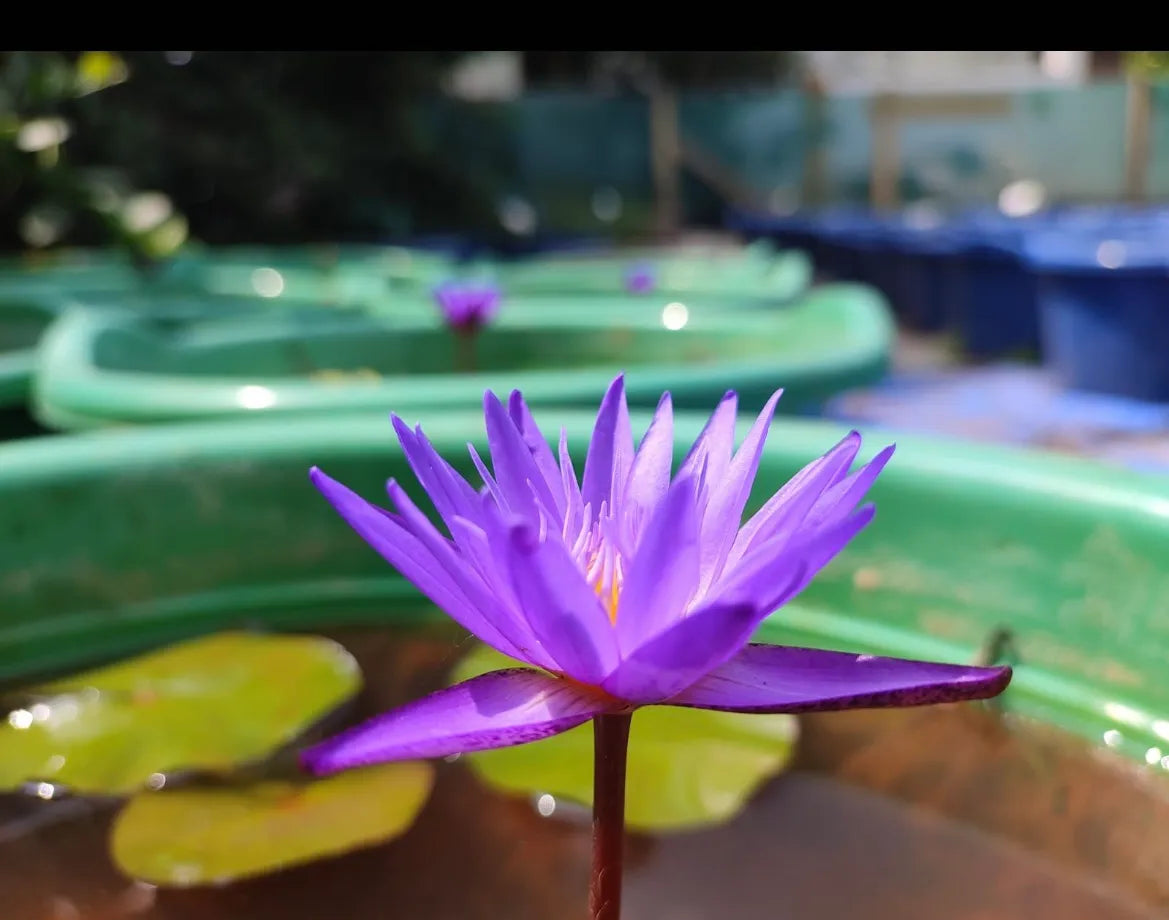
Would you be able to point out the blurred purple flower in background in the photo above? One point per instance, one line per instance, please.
(633, 587)
(468, 306)
(641, 279)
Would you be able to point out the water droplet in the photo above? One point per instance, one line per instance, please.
(1153, 756)
(184, 874)
(1112, 737)
(675, 316)
(267, 282)
(41, 712)
(1111, 253)
(155, 781)
(45, 791)
(546, 805)
(20, 718)
(254, 396)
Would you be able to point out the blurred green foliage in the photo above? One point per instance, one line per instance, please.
(46, 197)
(273, 146)
(295, 146)
(1149, 64)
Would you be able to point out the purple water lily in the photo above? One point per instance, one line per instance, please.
(640, 279)
(634, 587)
(467, 306)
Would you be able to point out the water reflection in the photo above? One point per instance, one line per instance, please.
(546, 805)
(267, 282)
(254, 396)
(1111, 254)
(1007, 822)
(675, 316)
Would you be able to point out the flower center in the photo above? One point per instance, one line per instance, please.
(609, 596)
(602, 564)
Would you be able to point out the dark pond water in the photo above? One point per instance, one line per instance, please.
(948, 812)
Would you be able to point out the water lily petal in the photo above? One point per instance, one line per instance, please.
(402, 549)
(610, 449)
(728, 496)
(764, 576)
(684, 652)
(539, 448)
(574, 503)
(783, 513)
(713, 446)
(563, 611)
(515, 468)
(447, 489)
(480, 582)
(840, 499)
(663, 574)
(777, 678)
(497, 709)
(649, 476)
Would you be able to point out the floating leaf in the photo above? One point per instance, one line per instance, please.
(201, 836)
(209, 704)
(687, 767)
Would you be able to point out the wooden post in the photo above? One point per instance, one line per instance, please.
(887, 112)
(665, 157)
(885, 166)
(814, 191)
(1138, 115)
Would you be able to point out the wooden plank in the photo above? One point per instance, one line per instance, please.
(1137, 122)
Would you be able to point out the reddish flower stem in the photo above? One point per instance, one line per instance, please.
(465, 342)
(610, 747)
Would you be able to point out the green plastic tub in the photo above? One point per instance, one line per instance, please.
(745, 278)
(33, 293)
(327, 273)
(21, 326)
(119, 540)
(27, 311)
(107, 367)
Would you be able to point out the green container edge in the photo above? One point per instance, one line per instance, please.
(70, 391)
(123, 540)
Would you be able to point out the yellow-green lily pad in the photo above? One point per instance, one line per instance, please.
(687, 767)
(209, 704)
(203, 836)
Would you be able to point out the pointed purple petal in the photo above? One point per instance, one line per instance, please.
(538, 446)
(489, 482)
(830, 541)
(683, 653)
(663, 574)
(515, 468)
(475, 576)
(843, 497)
(783, 513)
(574, 504)
(649, 477)
(494, 710)
(724, 511)
(610, 449)
(449, 491)
(715, 442)
(776, 678)
(563, 611)
(764, 576)
(407, 553)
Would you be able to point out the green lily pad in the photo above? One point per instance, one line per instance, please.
(203, 836)
(687, 767)
(209, 704)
